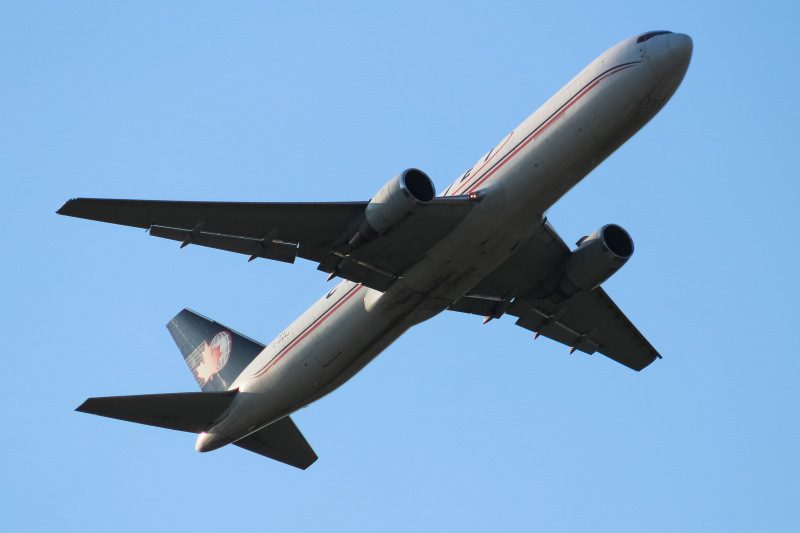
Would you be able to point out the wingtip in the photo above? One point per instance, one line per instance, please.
(83, 408)
(66, 207)
(306, 465)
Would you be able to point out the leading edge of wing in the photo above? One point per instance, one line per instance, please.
(294, 221)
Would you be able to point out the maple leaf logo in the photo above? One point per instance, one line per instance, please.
(213, 357)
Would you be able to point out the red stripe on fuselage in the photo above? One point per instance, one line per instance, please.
(314, 325)
(486, 162)
(546, 124)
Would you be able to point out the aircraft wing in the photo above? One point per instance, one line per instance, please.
(284, 231)
(589, 321)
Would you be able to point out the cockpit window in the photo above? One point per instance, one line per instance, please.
(650, 35)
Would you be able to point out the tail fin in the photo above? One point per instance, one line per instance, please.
(215, 354)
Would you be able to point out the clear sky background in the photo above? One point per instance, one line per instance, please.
(457, 426)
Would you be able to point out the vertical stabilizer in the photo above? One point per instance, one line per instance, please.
(215, 354)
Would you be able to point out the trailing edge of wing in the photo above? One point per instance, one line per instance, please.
(185, 411)
(589, 322)
(281, 441)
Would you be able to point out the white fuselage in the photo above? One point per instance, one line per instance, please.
(518, 180)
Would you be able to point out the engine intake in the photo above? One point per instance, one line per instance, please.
(595, 259)
(405, 193)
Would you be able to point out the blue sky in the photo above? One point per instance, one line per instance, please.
(457, 426)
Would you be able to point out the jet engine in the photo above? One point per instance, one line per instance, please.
(595, 259)
(405, 193)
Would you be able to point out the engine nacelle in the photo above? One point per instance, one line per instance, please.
(595, 259)
(404, 194)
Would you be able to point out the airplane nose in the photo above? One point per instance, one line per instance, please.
(680, 46)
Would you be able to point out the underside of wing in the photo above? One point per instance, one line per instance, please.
(589, 322)
(380, 261)
(526, 286)
(529, 269)
(319, 232)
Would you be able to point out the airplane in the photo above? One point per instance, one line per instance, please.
(483, 247)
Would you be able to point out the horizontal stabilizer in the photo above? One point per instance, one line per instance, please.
(185, 411)
(281, 441)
